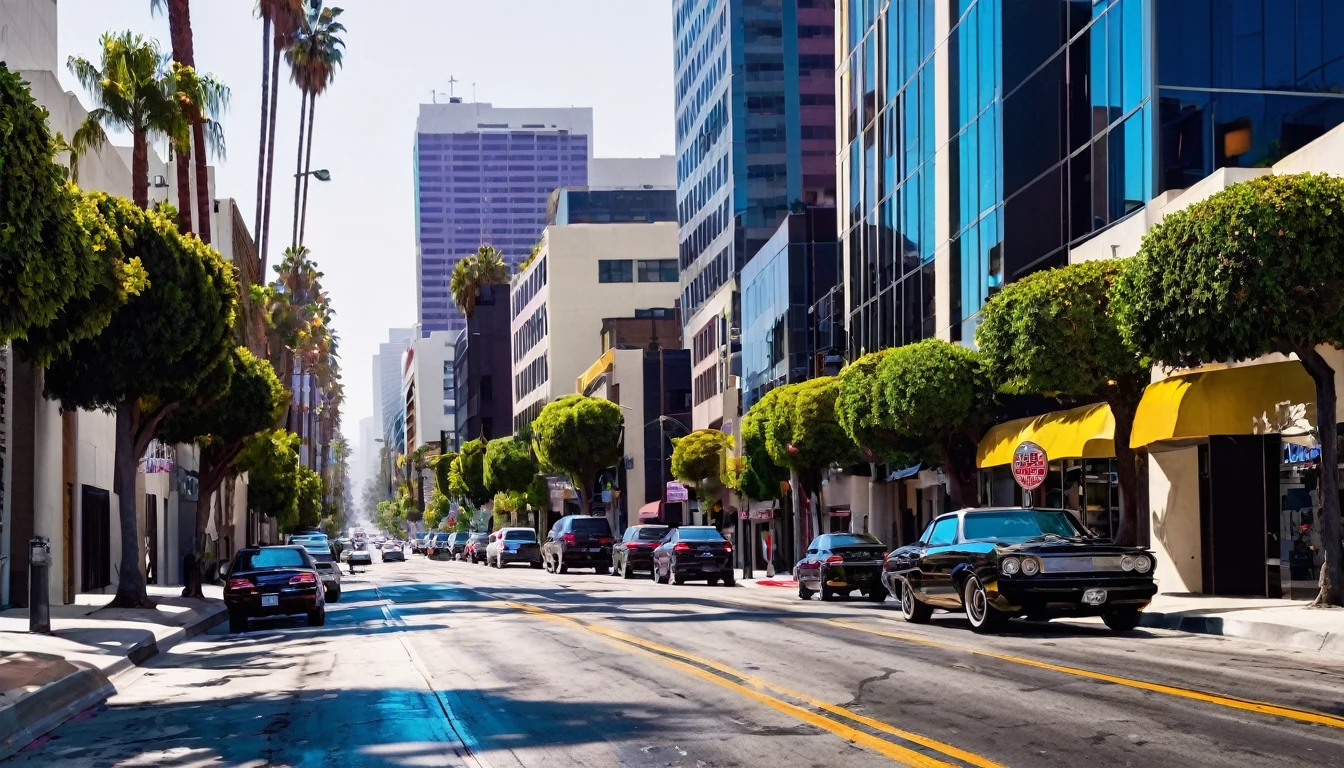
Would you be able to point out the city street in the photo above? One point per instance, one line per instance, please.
(440, 663)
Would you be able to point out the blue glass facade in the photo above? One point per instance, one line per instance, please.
(755, 128)
(611, 206)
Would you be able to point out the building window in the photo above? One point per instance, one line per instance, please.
(487, 389)
(658, 271)
(615, 271)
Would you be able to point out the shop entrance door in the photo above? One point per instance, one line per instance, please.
(95, 556)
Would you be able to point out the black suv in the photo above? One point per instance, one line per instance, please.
(578, 541)
(456, 544)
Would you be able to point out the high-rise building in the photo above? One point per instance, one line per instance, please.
(483, 175)
(390, 404)
(982, 141)
(755, 133)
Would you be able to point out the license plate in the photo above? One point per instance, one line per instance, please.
(270, 601)
(709, 567)
(1094, 596)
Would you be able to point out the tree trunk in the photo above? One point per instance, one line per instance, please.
(796, 497)
(182, 161)
(204, 204)
(131, 591)
(307, 166)
(216, 463)
(1332, 538)
(261, 143)
(270, 154)
(961, 480)
(140, 169)
(1127, 461)
(298, 166)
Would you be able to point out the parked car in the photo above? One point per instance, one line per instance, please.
(392, 550)
(273, 581)
(436, 546)
(457, 544)
(635, 551)
(320, 548)
(693, 552)
(995, 564)
(474, 551)
(578, 541)
(418, 541)
(840, 563)
(513, 545)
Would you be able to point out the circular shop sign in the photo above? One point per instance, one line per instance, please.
(1030, 465)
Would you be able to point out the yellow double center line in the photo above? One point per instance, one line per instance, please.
(1249, 705)
(756, 689)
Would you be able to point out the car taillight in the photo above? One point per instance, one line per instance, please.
(241, 584)
(605, 540)
(632, 545)
(835, 559)
(682, 546)
(304, 578)
(569, 538)
(727, 547)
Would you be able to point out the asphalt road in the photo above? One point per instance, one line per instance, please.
(434, 663)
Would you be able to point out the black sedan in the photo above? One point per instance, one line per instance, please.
(635, 550)
(996, 564)
(693, 552)
(273, 581)
(839, 563)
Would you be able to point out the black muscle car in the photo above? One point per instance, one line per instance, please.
(996, 564)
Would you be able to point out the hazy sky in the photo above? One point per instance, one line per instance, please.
(612, 55)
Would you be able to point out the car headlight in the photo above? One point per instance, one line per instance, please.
(1031, 566)
(1143, 563)
(1010, 566)
(1127, 563)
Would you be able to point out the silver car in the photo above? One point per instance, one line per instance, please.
(328, 570)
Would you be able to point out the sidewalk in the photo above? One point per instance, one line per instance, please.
(1279, 622)
(48, 679)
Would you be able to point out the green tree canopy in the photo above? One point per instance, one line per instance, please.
(438, 512)
(935, 395)
(754, 474)
(159, 349)
(443, 465)
(1256, 268)
(700, 455)
(1053, 333)
(579, 436)
(271, 461)
(467, 474)
(472, 273)
(62, 268)
(309, 499)
(509, 465)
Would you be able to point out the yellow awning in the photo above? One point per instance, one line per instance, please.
(1079, 433)
(599, 367)
(1227, 401)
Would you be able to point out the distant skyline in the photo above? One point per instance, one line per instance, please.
(612, 55)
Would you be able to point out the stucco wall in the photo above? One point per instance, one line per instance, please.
(1173, 490)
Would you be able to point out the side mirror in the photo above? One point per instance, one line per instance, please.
(223, 569)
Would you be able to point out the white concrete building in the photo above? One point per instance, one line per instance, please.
(582, 274)
(428, 394)
(388, 373)
(633, 172)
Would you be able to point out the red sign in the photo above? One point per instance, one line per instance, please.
(1030, 465)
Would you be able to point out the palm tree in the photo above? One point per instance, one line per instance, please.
(184, 53)
(472, 273)
(136, 91)
(314, 55)
(280, 19)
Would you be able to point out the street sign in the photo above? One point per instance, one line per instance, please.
(1030, 465)
(676, 492)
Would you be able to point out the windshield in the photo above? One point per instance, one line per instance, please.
(597, 525)
(652, 533)
(479, 537)
(1018, 525)
(699, 534)
(278, 557)
(520, 535)
(852, 540)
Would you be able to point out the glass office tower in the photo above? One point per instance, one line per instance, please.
(1043, 114)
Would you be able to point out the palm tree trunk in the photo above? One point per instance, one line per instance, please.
(204, 203)
(298, 166)
(261, 143)
(183, 162)
(307, 166)
(140, 169)
(270, 155)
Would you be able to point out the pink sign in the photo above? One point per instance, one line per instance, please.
(1030, 465)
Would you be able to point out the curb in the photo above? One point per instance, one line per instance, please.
(1276, 634)
(38, 713)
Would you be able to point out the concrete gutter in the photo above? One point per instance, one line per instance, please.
(64, 688)
(1260, 631)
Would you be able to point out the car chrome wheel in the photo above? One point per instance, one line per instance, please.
(975, 600)
(912, 610)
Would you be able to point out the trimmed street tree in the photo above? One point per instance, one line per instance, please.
(157, 352)
(698, 458)
(271, 461)
(309, 499)
(860, 411)
(443, 465)
(508, 465)
(579, 436)
(61, 266)
(1053, 333)
(1255, 269)
(466, 476)
(754, 474)
(253, 402)
(935, 394)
